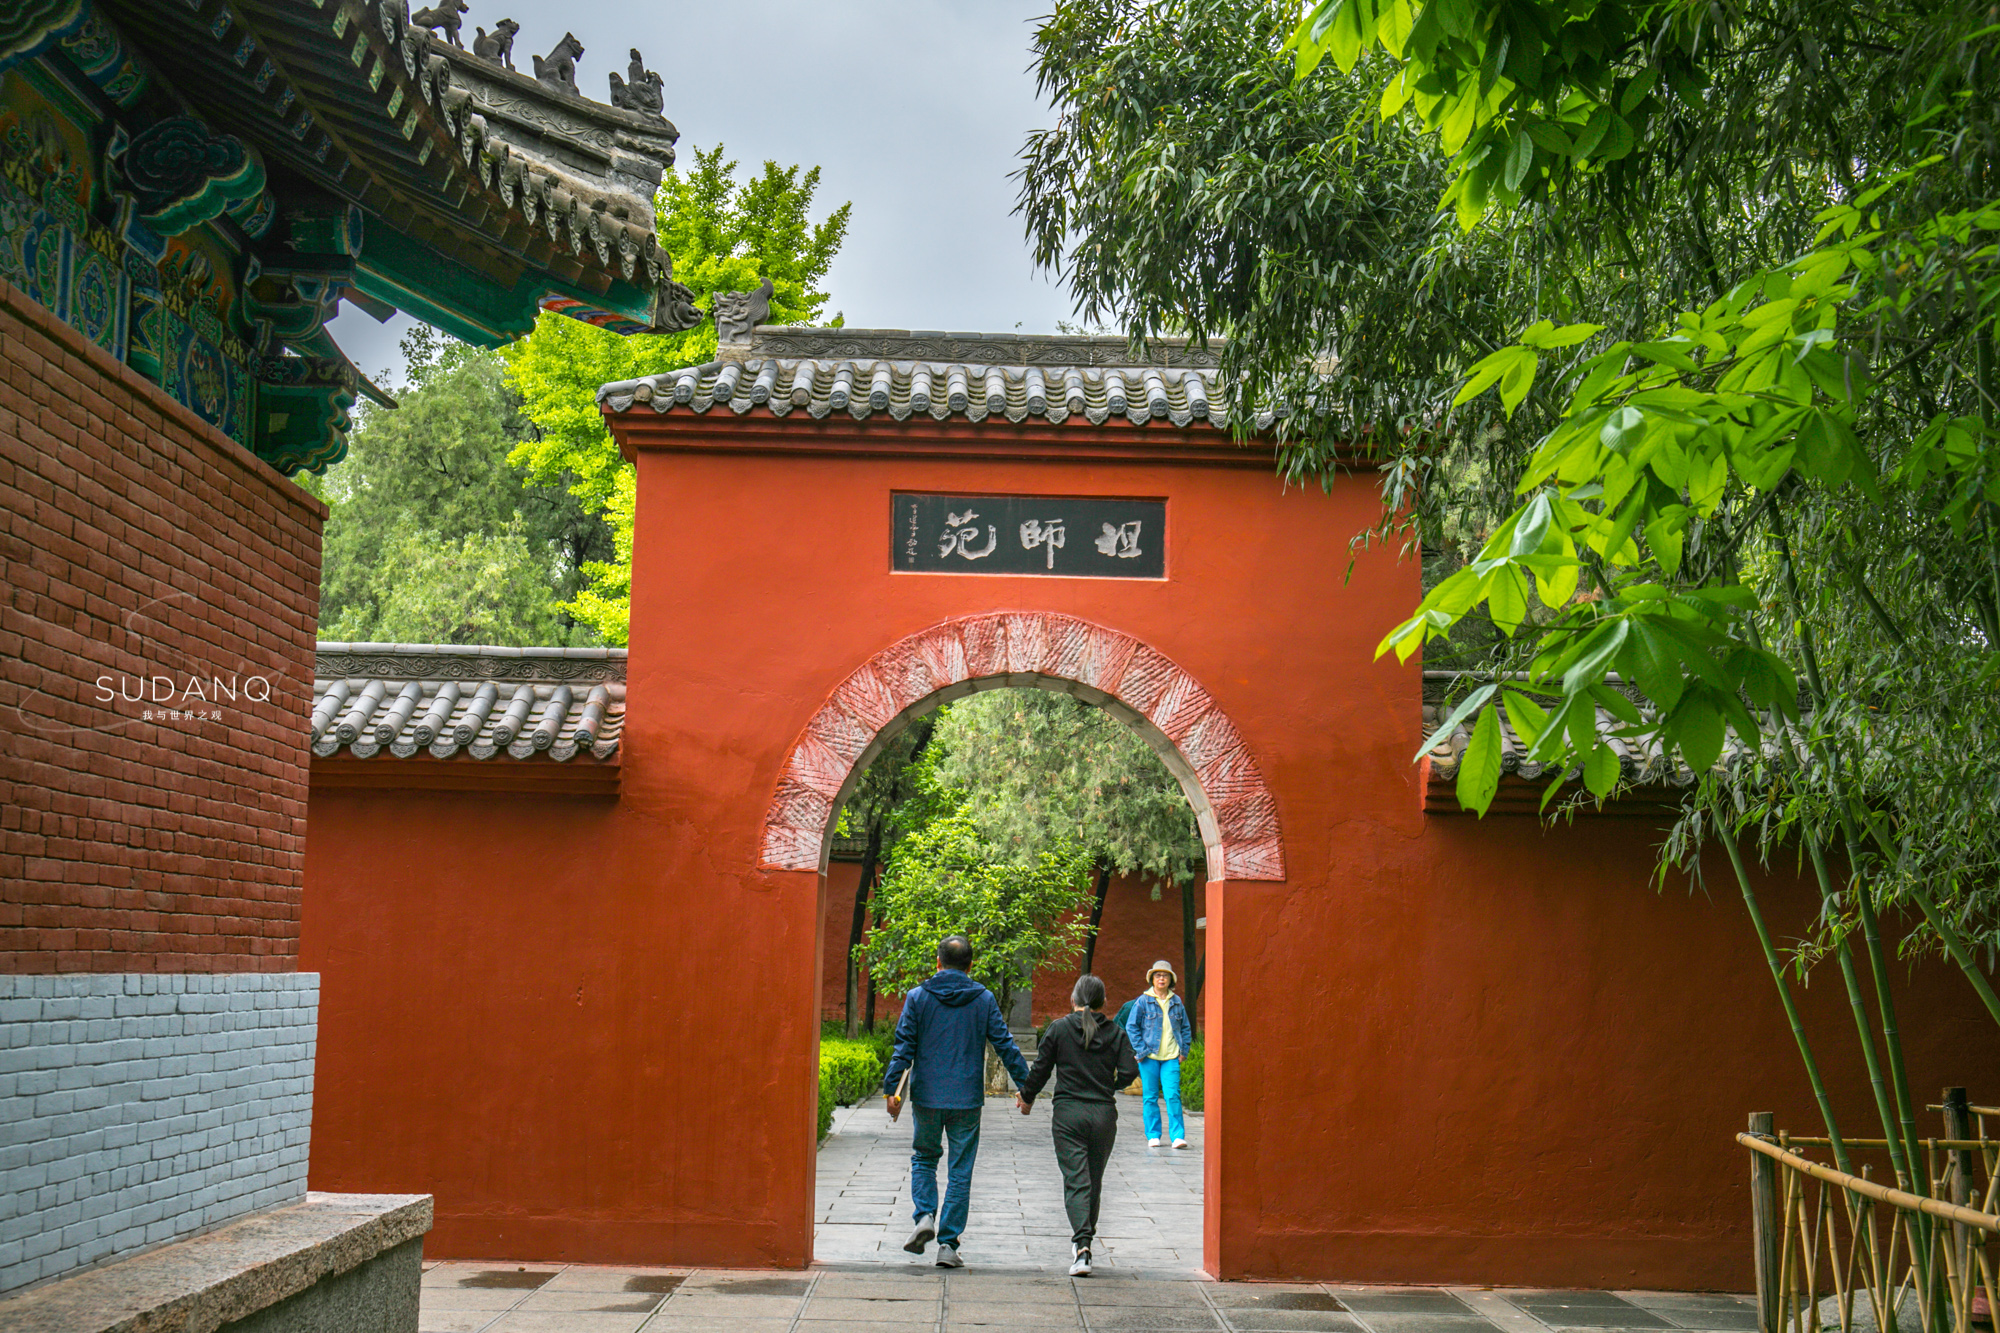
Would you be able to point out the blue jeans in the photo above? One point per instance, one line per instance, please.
(1157, 1079)
(935, 1127)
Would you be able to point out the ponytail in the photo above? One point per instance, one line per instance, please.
(1088, 995)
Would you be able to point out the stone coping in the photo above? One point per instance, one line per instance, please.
(197, 1285)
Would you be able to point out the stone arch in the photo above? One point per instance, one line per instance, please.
(1150, 692)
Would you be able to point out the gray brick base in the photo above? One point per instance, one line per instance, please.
(142, 1108)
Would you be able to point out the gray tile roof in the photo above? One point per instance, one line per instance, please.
(440, 699)
(865, 372)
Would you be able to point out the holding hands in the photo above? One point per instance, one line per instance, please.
(1024, 1105)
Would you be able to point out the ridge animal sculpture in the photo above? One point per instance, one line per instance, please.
(499, 48)
(448, 15)
(558, 70)
(736, 313)
(644, 94)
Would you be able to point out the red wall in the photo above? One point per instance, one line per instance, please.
(1441, 1050)
(138, 542)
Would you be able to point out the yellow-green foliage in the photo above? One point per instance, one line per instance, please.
(724, 236)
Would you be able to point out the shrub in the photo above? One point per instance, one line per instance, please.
(825, 1103)
(882, 1040)
(1191, 1078)
(849, 1069)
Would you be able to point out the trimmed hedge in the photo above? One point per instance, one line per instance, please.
(848, 1072)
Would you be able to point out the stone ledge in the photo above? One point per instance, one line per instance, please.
(198, 1285)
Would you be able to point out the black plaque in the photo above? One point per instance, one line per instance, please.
(1063, 535)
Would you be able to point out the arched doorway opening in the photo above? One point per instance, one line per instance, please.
(1142, 689)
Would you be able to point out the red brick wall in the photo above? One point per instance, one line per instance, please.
(137, 542)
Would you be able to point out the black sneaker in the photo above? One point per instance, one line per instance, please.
(948, 1257)
(926, 1230)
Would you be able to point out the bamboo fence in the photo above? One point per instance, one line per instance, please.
(1870, 1251)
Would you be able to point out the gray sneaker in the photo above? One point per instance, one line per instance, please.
(926, 1230)
(948, 1257)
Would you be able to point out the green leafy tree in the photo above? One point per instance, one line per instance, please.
(1746, 486)
(1027, 780)
(725, 235)
(431, 537)
(1712, 407)
(1042, 770)
(942, 880)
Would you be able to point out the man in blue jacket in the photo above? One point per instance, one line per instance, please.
(946, 1025)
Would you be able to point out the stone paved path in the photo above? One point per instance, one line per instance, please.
(1150, 1224)
(1016, 1249)
(553, 1298)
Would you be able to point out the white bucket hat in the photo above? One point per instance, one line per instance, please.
(1162, 966)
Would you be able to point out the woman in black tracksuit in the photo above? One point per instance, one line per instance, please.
(1096, 1059)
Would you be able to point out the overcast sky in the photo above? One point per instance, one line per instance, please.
(913, 109)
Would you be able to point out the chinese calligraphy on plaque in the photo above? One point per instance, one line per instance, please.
(1029, 534)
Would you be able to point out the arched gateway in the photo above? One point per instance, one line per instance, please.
(1233, 808)
(584, 996)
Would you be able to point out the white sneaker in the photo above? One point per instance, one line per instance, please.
(1180, 1143)
(1080, 1267)
(1152, 1143)
(947, 1257)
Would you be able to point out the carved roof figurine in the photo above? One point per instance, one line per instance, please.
(559, 69)
(736, 313)
(645, 94)
(449, 15)
(499, 48)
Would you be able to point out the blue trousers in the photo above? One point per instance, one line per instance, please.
(1160, 1079)
(960, 1128)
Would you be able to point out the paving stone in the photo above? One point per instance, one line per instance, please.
(1380, 1321)
(890, 1285)
(1689, 1300)
(667, 1322)
(1566, 1295)
(604, 1302)
(731, 1307)
(521, 1321)
(1584, 1309)
(1152, 1199)
(459, 1298)
(881, 1311)
(1400, 1300)
(1270, 1296)
(454, 1321)
(1720, 1321)
(1123, 1292)
(652, 1281)
(999, 1290)
(1015, 1314)
(1254, 1320)
(744, 1284)
(1152, 1319)
(504, 1279)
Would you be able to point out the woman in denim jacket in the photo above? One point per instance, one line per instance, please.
(1160, 1034)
